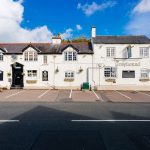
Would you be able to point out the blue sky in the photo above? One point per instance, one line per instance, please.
(32, 20)
(60, 15)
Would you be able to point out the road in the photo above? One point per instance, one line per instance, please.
(74, 126)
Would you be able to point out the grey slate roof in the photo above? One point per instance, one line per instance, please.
(47, 48)
(121, 40)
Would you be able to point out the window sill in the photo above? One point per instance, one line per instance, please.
(128, 58)
(31, 78)
(30, 60)
(45, 64)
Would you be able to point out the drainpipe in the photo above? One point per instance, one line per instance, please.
(54, 72)
(93, 72)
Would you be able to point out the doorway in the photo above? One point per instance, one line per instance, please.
(17, 75)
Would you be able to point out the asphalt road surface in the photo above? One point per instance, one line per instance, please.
(74, 126)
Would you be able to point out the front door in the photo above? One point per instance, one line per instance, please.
(17, 75)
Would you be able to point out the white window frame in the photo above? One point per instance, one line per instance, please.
(70, 56)
(69, 74)
(30, 56)
(1, 56)
(144, 52)
(110, 72)
(144, 73)
(45, 59)
(32, 74)
(110, 52)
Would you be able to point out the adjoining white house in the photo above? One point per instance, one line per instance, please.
(107, 62)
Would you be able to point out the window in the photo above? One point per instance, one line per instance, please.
(69, 74)
(127, 53)
(70, 56)
(26, 56)
(32, 73)
(144, 52)
(45, 76)
(35, 56)
(1, 56)
(110, 52)
(128, 74)
(1, 75)
(45, 59)
(144, 73)
(110, 72)
(30, 56)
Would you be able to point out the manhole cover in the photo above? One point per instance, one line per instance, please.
(71, 140)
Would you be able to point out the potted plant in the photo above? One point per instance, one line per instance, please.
(144, 79)
(23, 74)
(111, 80)
(8, 74)
(80, 70)
(69, 79)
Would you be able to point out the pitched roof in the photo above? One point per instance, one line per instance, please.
(121, 40)
(48, 48)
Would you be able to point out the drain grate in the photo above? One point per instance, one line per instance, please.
(69, 140)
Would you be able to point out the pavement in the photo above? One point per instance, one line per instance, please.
(57, 96)
(74, 126)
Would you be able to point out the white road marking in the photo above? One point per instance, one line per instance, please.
(14, 94)
(123, 95)
(40, 96)
(97, 96)
(9, 121)
(111, 120)
(143, 93)
(70, 96)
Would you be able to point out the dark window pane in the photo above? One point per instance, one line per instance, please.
(45, 75)
(1, 75)
(128, 74)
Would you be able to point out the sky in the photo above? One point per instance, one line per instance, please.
(39, 20)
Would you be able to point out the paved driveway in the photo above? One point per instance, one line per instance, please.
(73, 96)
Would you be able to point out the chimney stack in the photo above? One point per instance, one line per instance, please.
(56, 40)
(93, 32)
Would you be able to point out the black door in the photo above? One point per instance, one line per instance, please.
(17, 75)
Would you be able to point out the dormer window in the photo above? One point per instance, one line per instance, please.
(1, 56)
(30, 56)
(129, 52)
(70, 56)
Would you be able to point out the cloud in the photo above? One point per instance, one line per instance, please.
(140, 19)
(11, 17)
(67, 34)
(90, 9)
(78, 27)
(142, 7)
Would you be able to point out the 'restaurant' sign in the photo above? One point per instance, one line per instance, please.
(124, 64)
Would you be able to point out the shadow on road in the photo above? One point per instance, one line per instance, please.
(44, 128)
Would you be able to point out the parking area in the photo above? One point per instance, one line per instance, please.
(73, 96)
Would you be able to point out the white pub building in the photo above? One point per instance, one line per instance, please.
(106, 63)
